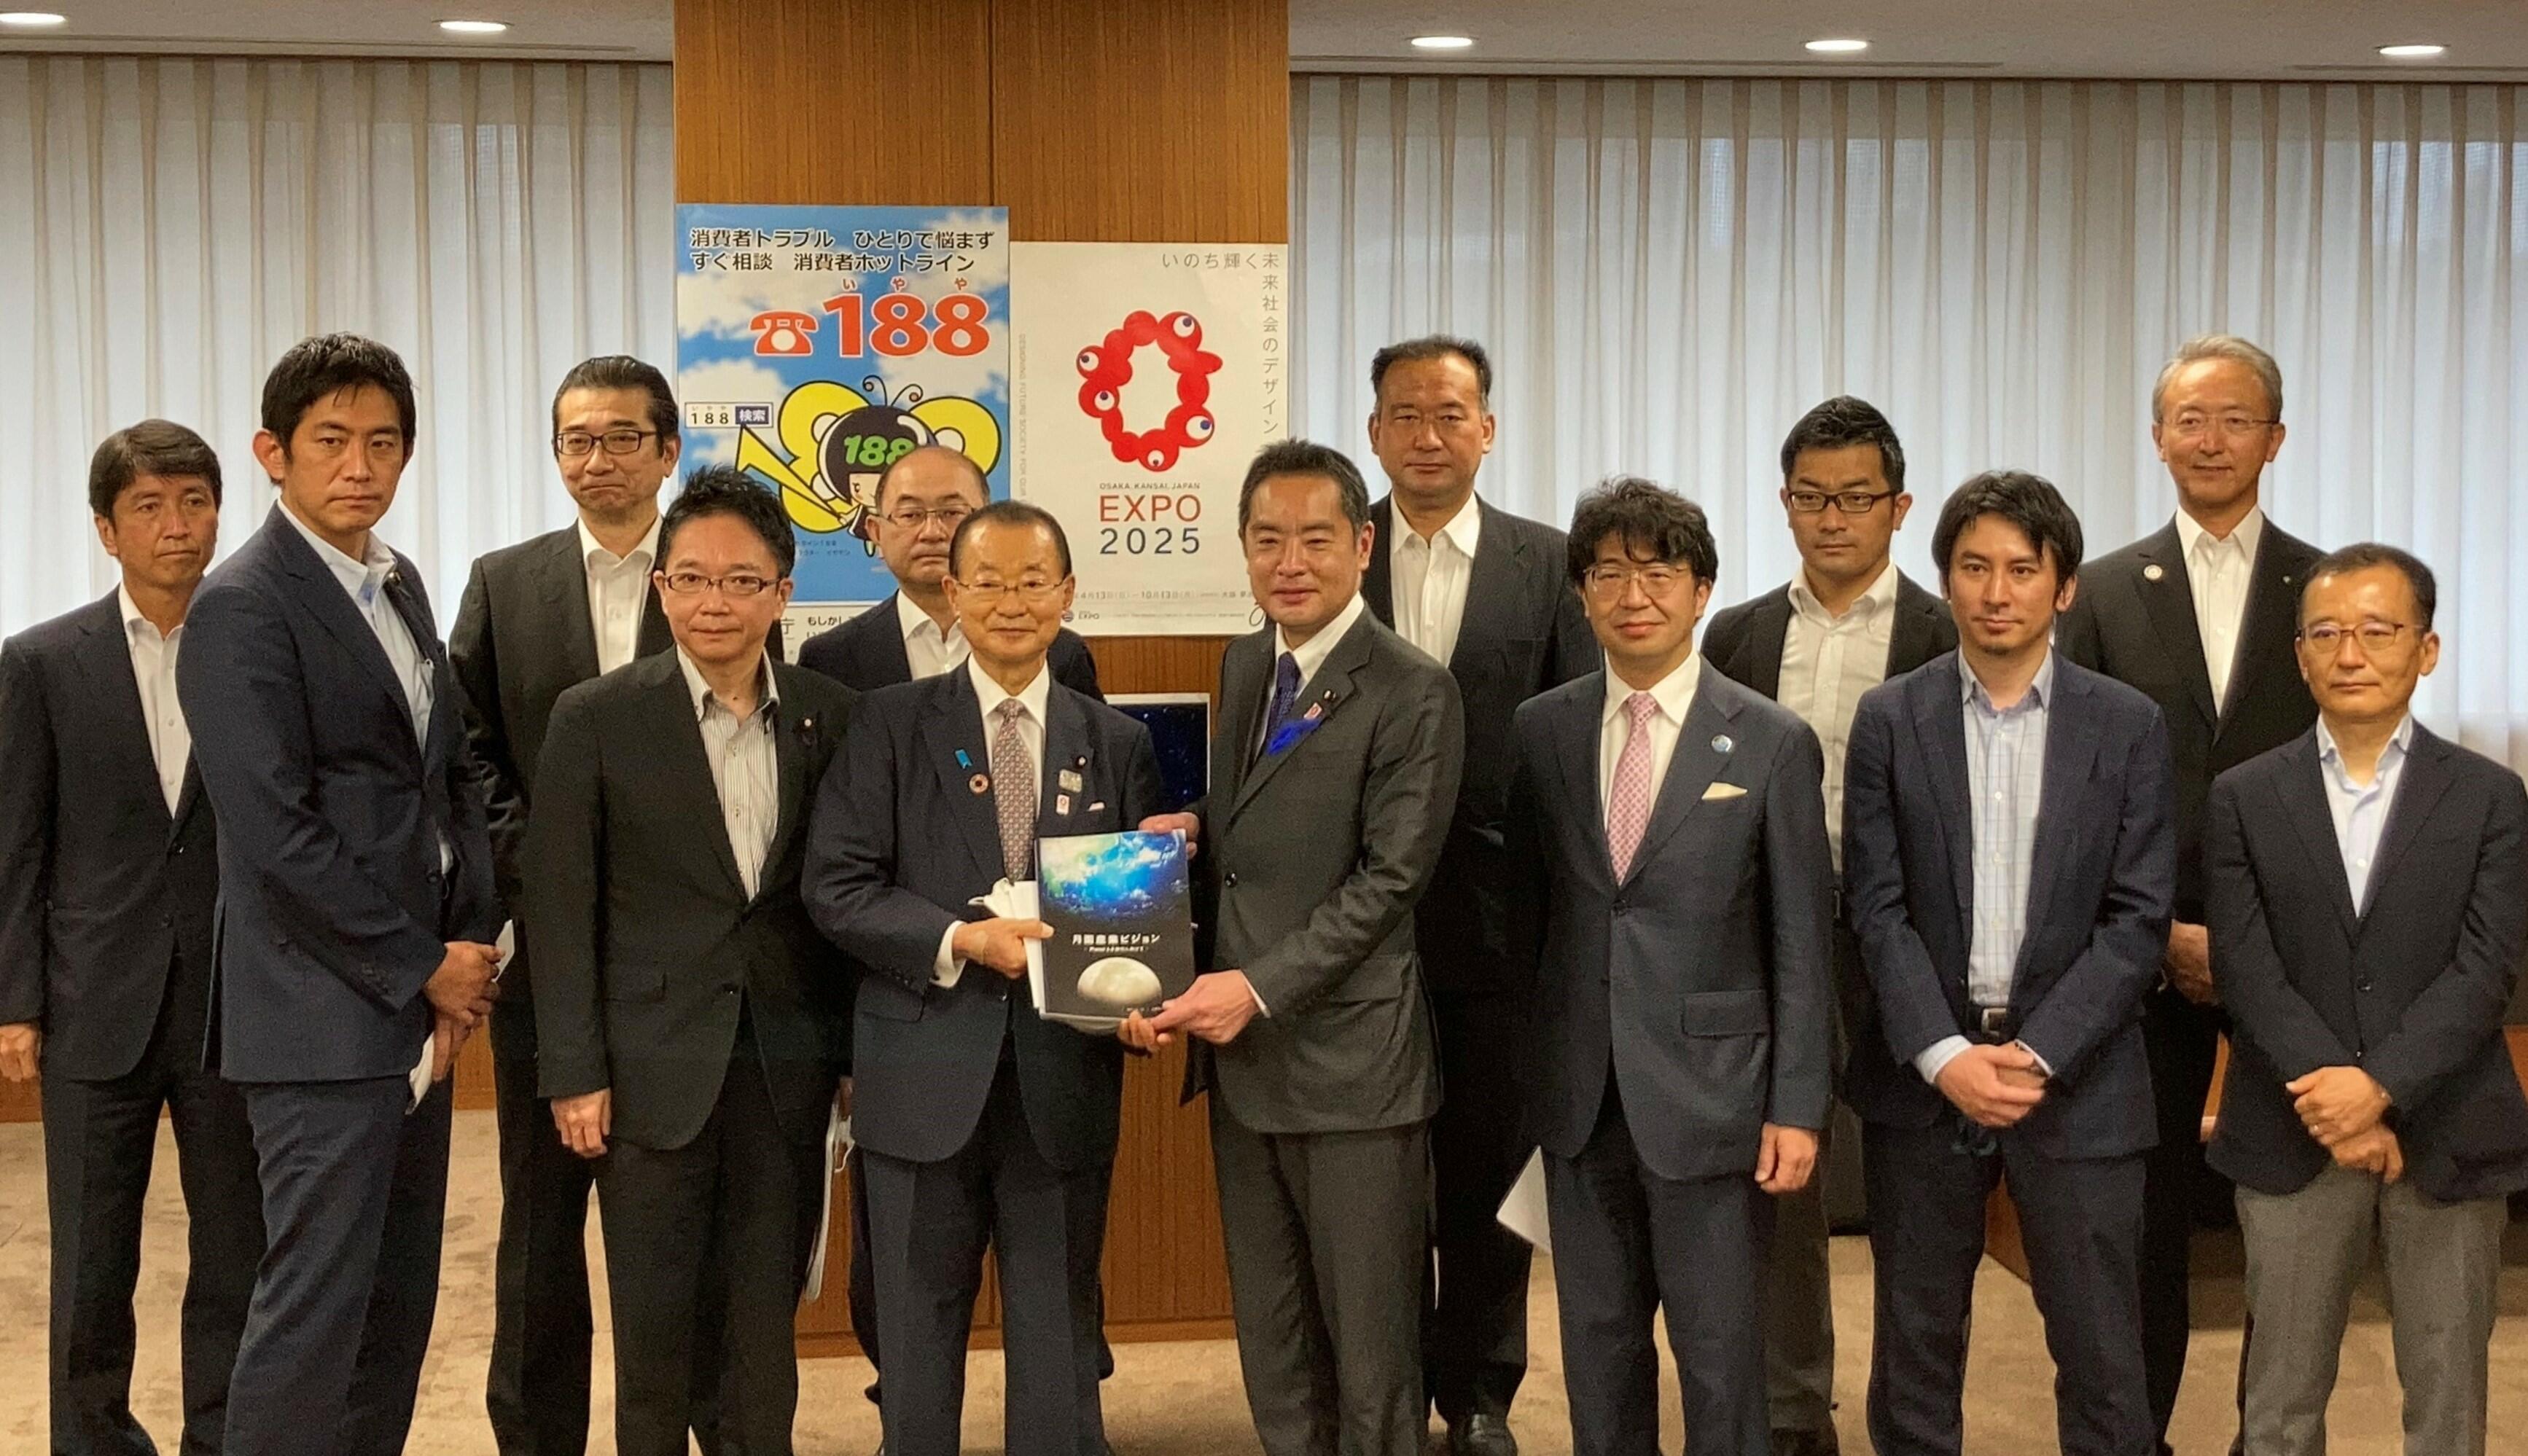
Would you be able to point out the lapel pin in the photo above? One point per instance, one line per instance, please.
(1062, 803)
(1315, 712)
(980, 783)
(1721, 743)
(2152, 572)
(1070, 780)
(964, 761)
(1079, 761)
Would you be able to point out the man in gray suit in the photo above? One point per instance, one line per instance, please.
(1674, 915)
(1331, 780)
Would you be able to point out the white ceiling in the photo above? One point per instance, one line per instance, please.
(2283, 39)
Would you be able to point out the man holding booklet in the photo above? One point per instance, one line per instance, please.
(979, 1121)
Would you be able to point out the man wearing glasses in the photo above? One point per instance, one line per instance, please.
(1847, 620)
(693, 1025)
(2198, 615)
(537, 618)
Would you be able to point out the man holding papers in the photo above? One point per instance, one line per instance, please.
(978, 1121)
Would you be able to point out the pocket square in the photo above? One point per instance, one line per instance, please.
(1724, 791)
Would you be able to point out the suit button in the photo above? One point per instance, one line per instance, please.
(1229, 881)
(728, 990)
(2362, 984)
(165, 921)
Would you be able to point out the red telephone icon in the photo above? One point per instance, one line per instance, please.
(784, 331)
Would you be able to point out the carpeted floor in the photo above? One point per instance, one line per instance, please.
(1185, 1399)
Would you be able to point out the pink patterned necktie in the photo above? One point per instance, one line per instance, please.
(1628, 799)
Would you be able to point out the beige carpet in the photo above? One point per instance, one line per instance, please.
(1185, 1399)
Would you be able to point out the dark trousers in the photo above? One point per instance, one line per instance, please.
(536, 1390)
(1474, 1323)
(929, 1225)
(100, 1139)
(354, 1192)
(1628, 1243)
(2184, 1042)
(2081, 1222)
(705, 1245)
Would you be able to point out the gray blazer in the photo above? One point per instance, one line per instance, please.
(1312, 859)
(1702, 977)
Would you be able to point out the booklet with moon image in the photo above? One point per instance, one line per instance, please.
(1122, 911)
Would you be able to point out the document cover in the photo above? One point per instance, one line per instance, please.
(1121, 913)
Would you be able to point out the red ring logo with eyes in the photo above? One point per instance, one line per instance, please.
(1105, 368)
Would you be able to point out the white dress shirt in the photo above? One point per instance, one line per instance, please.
(746, 770)
(618, 588)
(154, 671)
(2218, 568)
(947, 967)
(1674, 693)
(2360, 811)
(1827, 663)
(1430, 579)
(929, 648)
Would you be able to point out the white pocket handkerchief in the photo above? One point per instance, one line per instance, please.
(1724, 791)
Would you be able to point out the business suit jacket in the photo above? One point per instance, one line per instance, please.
(1312, 861)
(2409, 987)
(1744, 641)
(2097, 917)
(866, 653)
(1523, 632)
(2141, 631)
(902, 843)
(334, 912)
(106, 899)
(647, 939)
(1702, 977)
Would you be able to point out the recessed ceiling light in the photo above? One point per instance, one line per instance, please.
(1443, 42)
(473, 28)
(32, 19)
(1838, 47)
(2411, 52)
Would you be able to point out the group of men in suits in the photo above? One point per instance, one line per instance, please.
(1994, 867)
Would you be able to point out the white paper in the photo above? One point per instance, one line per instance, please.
(1523, 1211)
(838, 1145)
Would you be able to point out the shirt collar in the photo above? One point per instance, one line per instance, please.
(700, 687)
(1462, 529)
(359, 577)
(910, 621)
(2040, 691)
(2249, 530)
(1312, 654)
(596, 557)
(134, 620)
(992, 695)
(2399, 744)
(1880, 596)
(1673, 693)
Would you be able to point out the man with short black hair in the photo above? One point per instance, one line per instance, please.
(356, 904)
(109, 879)
(691, 1023)
(2007, 864)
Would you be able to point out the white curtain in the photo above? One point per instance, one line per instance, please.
(168, 227)
(1669, 272)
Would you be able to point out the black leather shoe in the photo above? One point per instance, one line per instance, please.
(1482, 1435)
(1806, 1443)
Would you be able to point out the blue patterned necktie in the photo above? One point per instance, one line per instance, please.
(1285, 697)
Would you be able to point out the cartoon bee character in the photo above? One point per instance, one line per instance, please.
(834, 441)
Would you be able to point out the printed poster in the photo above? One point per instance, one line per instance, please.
(816, 344)
(1147, 375)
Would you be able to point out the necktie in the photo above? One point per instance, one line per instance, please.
(1628, 799)
(1285, 695)
(1013, 791)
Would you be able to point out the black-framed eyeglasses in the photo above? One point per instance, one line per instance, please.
(1850, 503)
(2374, 637)
(914, 517)
(571, 444)
(737, 586)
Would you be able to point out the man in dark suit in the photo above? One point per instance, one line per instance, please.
(1331, 780)
(536, 618)
(2007, 859)
(2363, 882)
(980, 1120)
(108, 881)
(1674, 921)
(2198, 615)
(1846, 622)
(1484, 591)
(356, 905)
(691, 1021)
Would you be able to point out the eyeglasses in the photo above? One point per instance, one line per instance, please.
(2374, 637)
(2194, 426)
(914, 517)
(736, 587)
(1032, 593)
(1850, 503)
(570, 445)
(1657, 579)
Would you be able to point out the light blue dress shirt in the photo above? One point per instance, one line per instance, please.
(2361, 810)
